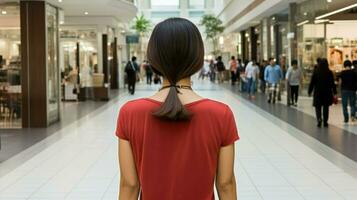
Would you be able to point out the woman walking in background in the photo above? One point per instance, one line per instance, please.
(233, 65)
(221, 69)
(324, 88)
(251, 73)
(186, 142)
(294, 78)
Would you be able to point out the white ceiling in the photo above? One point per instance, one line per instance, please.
(121, 10)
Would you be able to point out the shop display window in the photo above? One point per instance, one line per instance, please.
(10, 67)
(52, 64)
(79, 48)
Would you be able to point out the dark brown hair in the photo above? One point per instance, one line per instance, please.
(176, 51)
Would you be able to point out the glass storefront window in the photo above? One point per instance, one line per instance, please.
(10, 67)
(52, 65)
(84, 38)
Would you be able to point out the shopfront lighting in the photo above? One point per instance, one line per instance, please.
(320, 21)
(329, 1)
(60, 1)
(4, 12)
(305, 13)
(302, 23)
(337, 11)
(86, 13)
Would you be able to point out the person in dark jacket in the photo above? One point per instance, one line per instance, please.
(348, 90)
(324, 88)
(221, 69)
(131, 69)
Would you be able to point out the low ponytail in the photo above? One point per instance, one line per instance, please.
(172, 108)
(175, 51)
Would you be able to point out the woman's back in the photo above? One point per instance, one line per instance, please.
(177, 160)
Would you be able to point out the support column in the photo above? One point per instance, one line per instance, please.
(243, 45)
(253, 44)
(114, 69)
(34, 64)
(292, 28)
(277, 38)
(105, 58)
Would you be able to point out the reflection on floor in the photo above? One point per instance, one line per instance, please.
(336, 114)
(17, 140)
(274, 160)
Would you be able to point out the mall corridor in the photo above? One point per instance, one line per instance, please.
(274, 160)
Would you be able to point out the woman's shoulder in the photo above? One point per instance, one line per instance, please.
(140, 104)
(213, 106)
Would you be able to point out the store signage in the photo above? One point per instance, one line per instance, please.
(132, 39)
(291, 35)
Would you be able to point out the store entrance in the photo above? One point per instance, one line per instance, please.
(10, 66)
(79, 64)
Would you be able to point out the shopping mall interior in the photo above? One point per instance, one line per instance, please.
(63, 81)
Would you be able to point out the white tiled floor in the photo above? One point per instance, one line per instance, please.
(270, 163)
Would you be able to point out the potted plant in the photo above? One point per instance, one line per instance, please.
(213, 28)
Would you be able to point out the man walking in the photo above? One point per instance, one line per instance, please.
(273, 75)
(131, 70)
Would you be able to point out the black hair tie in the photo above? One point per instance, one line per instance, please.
(177, 87)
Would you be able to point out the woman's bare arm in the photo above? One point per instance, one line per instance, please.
(225, 180)
(129, 183)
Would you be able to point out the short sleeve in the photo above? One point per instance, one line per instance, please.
(230, 134)
(121, 130)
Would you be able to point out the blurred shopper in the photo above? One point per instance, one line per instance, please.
(317, 63)
(148, 71)
(294, 78)
(240, 69)
(324, 88)
(166, 149)
(348, 90)
(273, 75)
(212, 70)
(221, 69)
(131, 69)
(261, 75)
(251, 73)
(233, 65)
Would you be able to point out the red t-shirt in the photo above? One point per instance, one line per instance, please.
(177, 160)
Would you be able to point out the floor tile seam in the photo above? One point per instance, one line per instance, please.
(42, 185)
(251, 180)
(55, 134)
(28, 171)
(48, 180)
(328, 185)
(271, 164)
(88, 169)
(293, 157)
(298, 133)
(113, 179)
(79, 153)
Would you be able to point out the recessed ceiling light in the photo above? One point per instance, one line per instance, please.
(4, 12)
(61, 22)
(329, 1)
(86, 13)
(305, 13)
(60, 1)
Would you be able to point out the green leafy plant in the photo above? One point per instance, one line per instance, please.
(213, 28)
(141, 25)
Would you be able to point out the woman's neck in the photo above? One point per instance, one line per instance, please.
(184, 82)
